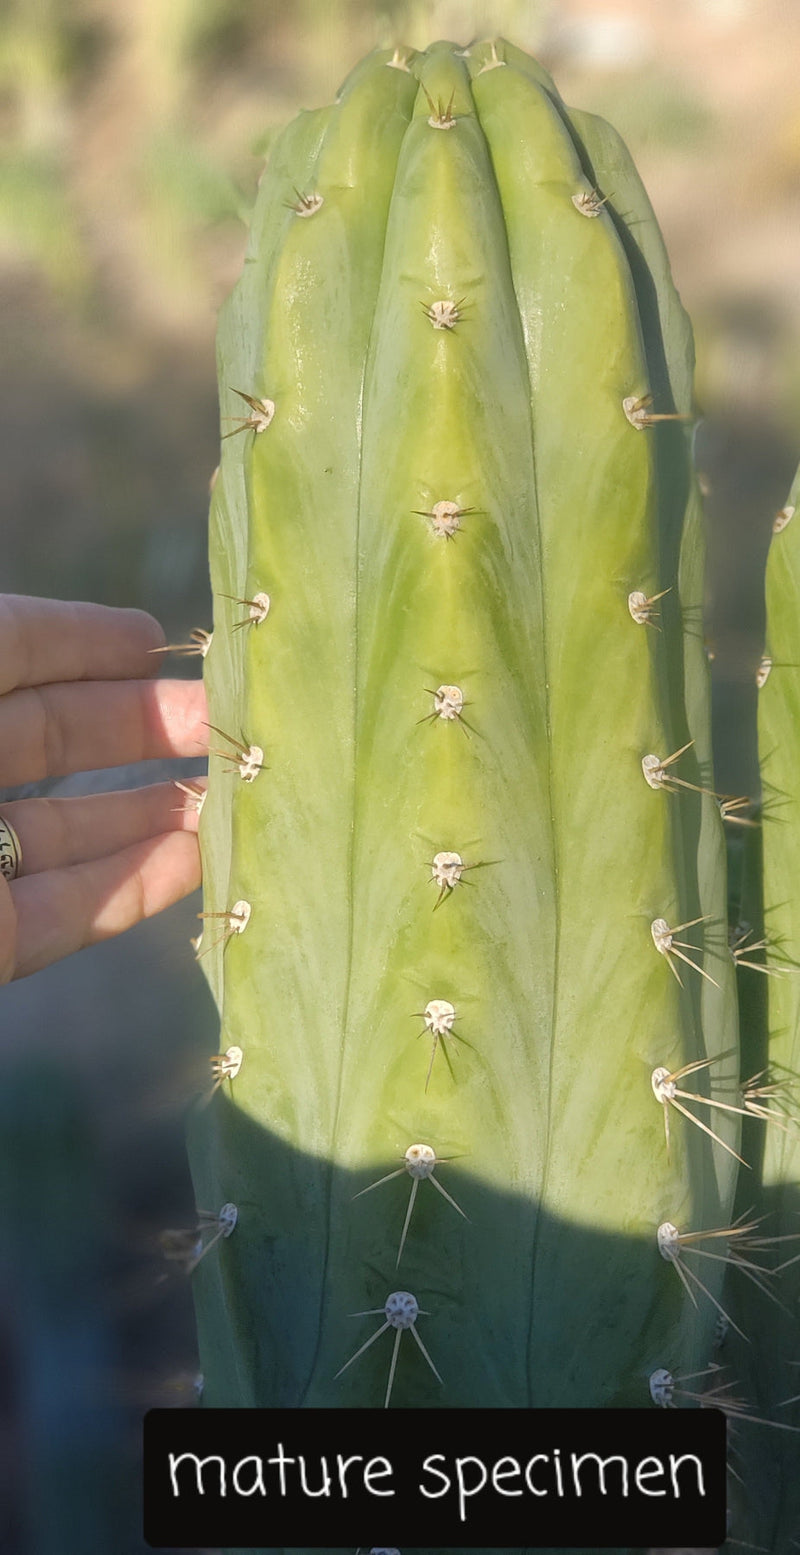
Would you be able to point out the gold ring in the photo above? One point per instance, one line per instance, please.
(10, 852)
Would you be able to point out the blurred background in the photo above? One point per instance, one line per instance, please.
(134, 134)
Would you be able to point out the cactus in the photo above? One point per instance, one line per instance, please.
(464, 869)
(766, 1494)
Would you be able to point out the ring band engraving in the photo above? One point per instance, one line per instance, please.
(10, 852)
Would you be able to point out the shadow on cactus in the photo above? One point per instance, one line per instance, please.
(464, 864)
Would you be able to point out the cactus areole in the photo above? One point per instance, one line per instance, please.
(464, 870)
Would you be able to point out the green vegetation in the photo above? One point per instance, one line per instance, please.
(465, 868)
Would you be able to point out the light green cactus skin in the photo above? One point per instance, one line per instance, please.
(766, 1496)
(539, 1103)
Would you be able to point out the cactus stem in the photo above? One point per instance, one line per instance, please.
(258, 609)
(641, 608)
(444, 314)
(305, 204)
(250, 760)
(263, 412)
(474, 228)
(195, 794)
(667, 945)
(401, 1311)
(588, 201)
(639, 416)
(199, 643)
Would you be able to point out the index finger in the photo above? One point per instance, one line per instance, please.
(45, 640)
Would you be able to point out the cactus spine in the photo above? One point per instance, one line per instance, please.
(464, 489)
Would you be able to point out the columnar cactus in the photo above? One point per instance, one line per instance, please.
(464, 869)
(766, 1495)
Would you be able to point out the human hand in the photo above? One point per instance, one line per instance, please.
(77, 694)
